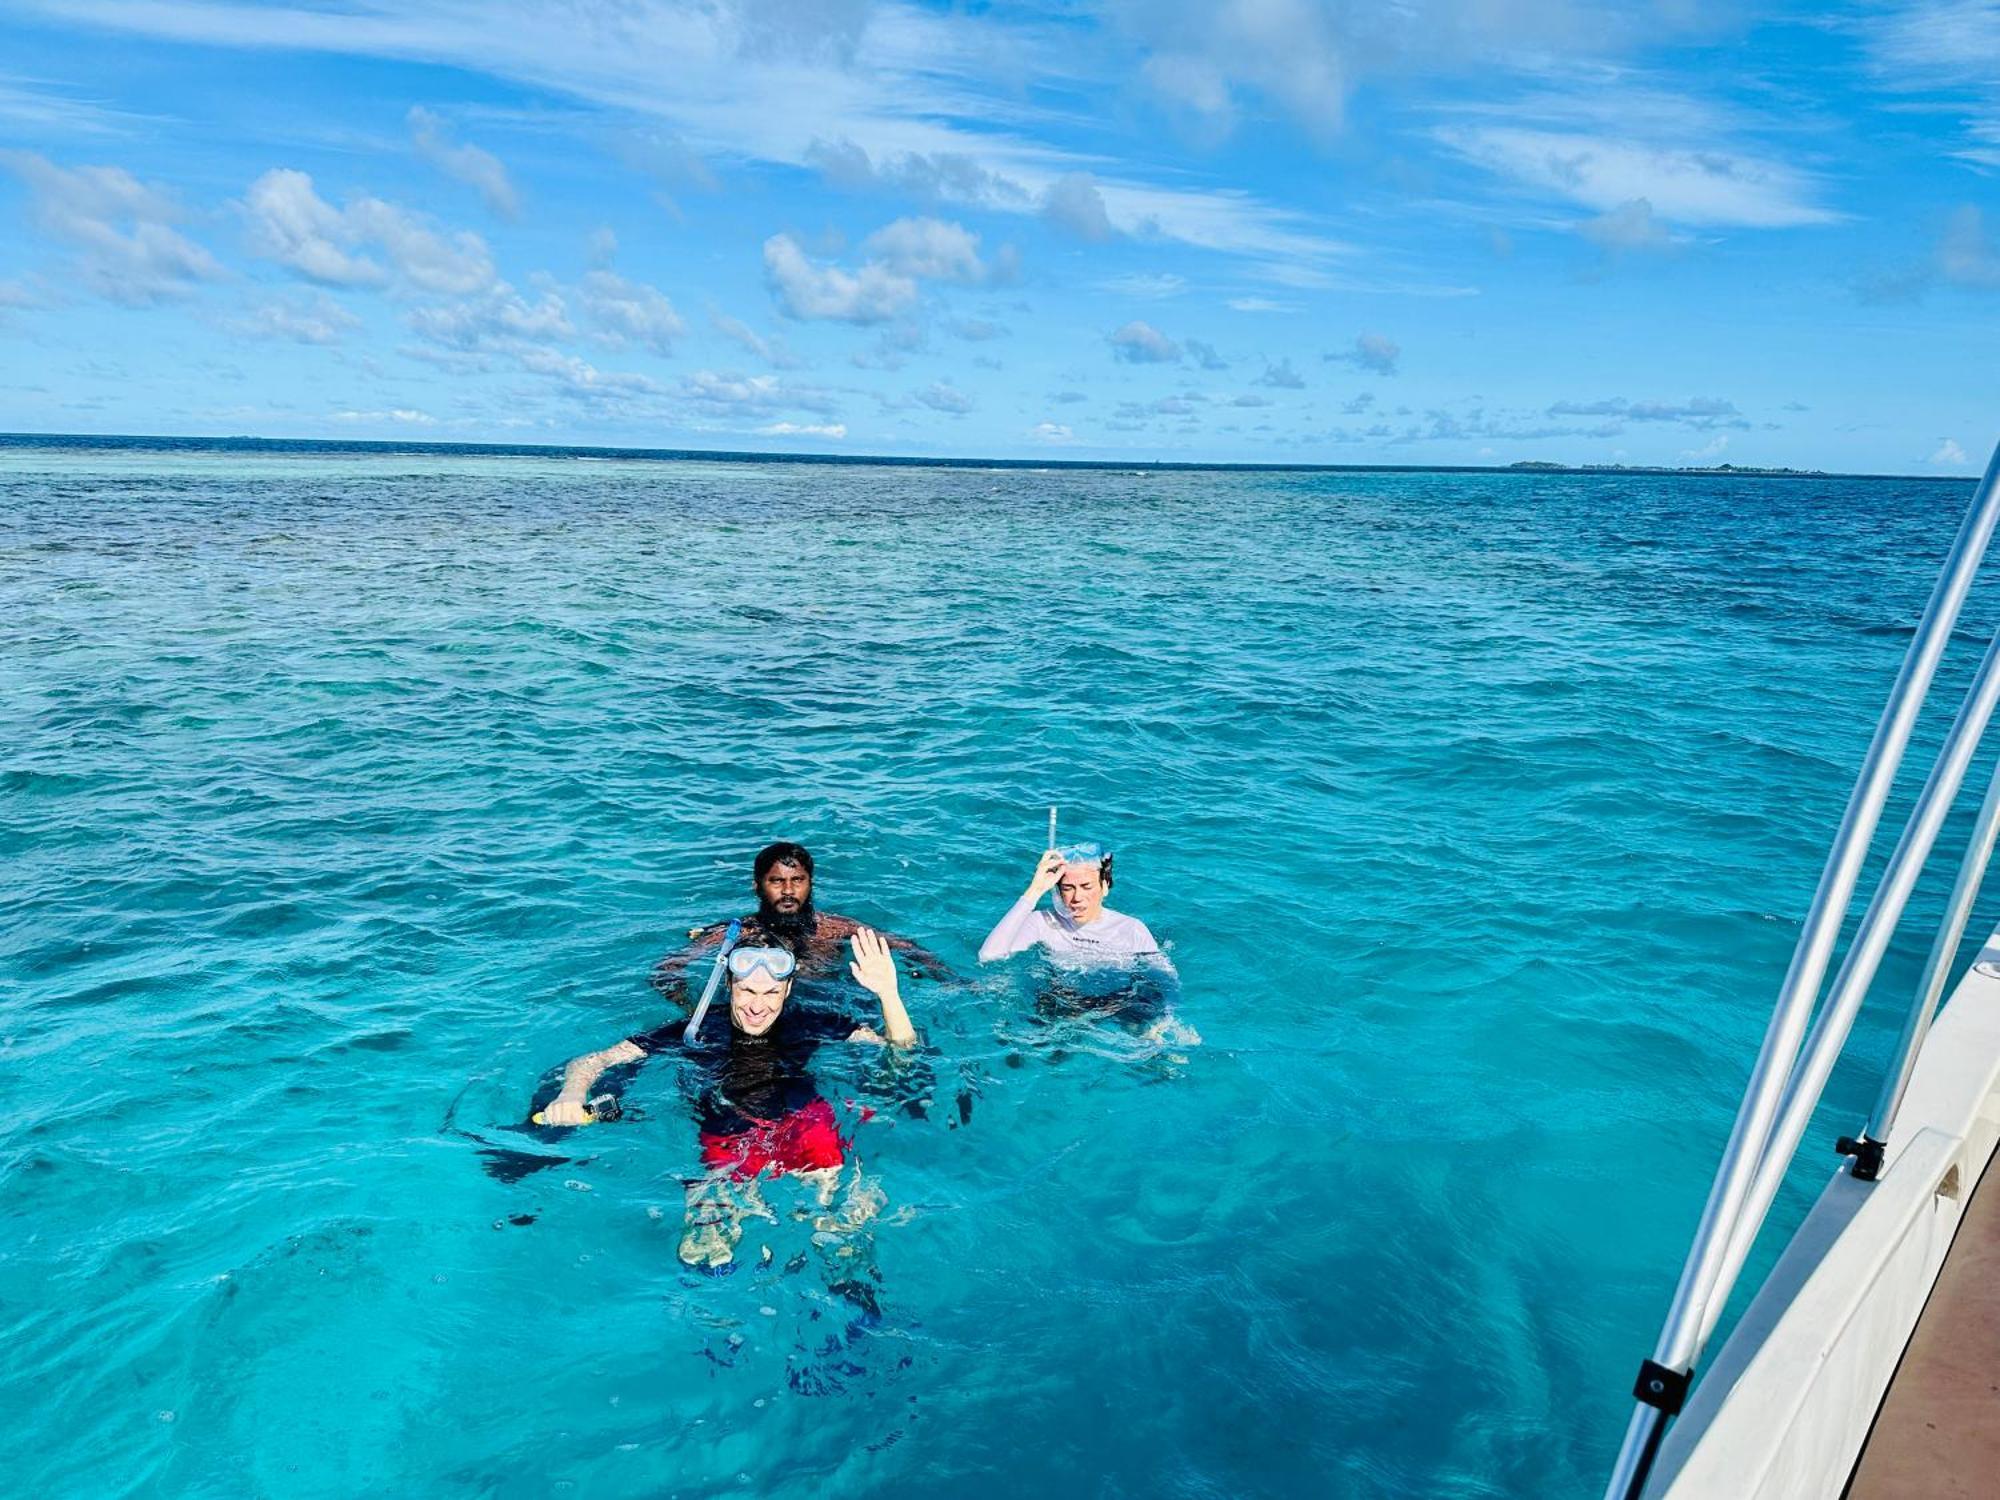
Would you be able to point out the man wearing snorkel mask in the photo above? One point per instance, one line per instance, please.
(759, 1110)
(782, 877)
(1078, 925)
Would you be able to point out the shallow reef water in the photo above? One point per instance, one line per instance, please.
(343, 795)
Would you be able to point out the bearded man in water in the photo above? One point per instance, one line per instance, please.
(782, 876)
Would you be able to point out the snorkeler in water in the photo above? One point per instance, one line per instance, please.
(1088, 944)
(1078, 925)
(759, 1110)
(782, 877)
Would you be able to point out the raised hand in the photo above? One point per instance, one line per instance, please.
(1048, 870)
(874, 968)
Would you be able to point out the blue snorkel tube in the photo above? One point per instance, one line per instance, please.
(714, 977)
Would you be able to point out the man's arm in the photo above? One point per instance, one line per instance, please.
(569, 1107)
(874, 969)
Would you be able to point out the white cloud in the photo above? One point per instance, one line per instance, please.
(630, 312)
(804, 429)
(1050, 432)
(930, 249)
(1707, 184)
(1715, 447)
(1631, 226)
(1282, 376)
(1075, 203)
(317, 319)
(122, 229)
(1140, 343)
(501, 318)
(480, 170)
(807, 291)
(404, 416)
(1370, 351)
(900, 85)
(944, 397)
(1949, 454)
(583, 380)
(292, 225)
(1261, 305)
(728, 391)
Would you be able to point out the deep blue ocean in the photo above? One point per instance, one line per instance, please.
(344, 793)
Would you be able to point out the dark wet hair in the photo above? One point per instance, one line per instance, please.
(784, 852)
(1103, 869)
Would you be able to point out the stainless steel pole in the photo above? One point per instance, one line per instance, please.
(1858, 969)
(1679, 1342)
(1937, 969)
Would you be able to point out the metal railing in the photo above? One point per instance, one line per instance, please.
(1792, 1067)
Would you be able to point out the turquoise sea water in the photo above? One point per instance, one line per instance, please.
(346, 794)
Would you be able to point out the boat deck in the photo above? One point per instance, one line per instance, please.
(1937, 1435)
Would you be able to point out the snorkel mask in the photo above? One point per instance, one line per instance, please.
(777, 962)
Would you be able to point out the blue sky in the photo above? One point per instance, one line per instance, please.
(1448, 231)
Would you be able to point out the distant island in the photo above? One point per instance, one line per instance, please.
(1542, 465)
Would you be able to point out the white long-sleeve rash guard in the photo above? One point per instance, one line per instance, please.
(1112, 938)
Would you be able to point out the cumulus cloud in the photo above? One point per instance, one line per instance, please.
(500, 318)
(929, 248)
(807, 291)
(728, 391)
(479, 170)
(580, 377)
(292, 225)
(127, 249)
(944, 397)
(803, 429)
(1140, 343)
(932, 176)
(1074, 202)
(1948, 454)
(1050, 432)
(1282, 376)
(1370, 351)
(317, 319)
(938, 250)
(630, 312)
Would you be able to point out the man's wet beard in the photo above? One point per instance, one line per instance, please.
(789, 928)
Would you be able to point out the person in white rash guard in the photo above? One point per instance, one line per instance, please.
(1090, 943)
(1078, 925)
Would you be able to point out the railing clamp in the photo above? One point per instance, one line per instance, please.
(1662, 1388)
(1867, 1156)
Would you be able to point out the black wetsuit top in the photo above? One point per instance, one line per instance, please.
(743, 1080)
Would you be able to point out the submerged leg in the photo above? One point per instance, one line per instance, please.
(716, 1209)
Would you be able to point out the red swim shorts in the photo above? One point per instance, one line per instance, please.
(803, 1141)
